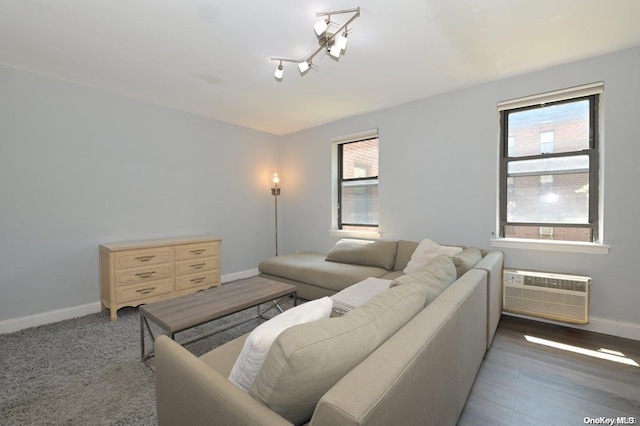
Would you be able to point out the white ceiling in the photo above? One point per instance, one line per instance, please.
(212, 57)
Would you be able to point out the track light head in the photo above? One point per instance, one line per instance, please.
(342, 40)
(335, 50)
(279, 72)
(303, 66)
(321, 26)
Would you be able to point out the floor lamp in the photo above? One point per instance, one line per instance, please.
(275, 178)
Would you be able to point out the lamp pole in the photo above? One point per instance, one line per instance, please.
(275, 192)
(275, 179)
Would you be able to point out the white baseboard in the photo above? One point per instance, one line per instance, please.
(16, 324)
(626, 330)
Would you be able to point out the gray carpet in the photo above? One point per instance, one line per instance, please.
(87, 371)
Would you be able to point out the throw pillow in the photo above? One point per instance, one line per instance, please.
(257, 345)
(436, 276)
(466, 260)
(358, 293)
(381, 254)
(308, 359)
(426, 251)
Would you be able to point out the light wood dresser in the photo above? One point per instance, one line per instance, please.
(133, 273)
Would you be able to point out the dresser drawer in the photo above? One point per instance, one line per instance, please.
(195, 251)
(196, 265)
(209, 278)
(144, 274)
(134, 258)
(144, 291)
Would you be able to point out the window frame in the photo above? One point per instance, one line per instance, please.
(594, 93)
(342, 180)
(336, 187)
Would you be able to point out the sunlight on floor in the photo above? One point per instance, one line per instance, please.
(602, 353)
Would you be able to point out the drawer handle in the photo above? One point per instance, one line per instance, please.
(198, 265)
(145, 290)
(198, 280)
(145, 258)
(198, 251)
(145, 274)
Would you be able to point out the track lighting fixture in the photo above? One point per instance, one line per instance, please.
(334, 42)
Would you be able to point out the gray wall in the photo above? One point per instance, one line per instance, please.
(80, 167)
(438, 176)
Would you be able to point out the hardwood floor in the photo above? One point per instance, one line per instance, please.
(526, 383)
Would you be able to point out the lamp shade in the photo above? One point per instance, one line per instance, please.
(274, 176)
(279, 72)
(335, 51)
(320, 27)
(303, 66)
(342, 41)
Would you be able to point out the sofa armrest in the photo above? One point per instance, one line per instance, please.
(189, 392)
(493, 263)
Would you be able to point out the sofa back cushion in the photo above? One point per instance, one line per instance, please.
(306, 360)
(403, 256)
(381, 254)
(466, 260)
(435, 277)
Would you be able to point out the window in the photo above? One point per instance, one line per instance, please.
(549, 166)
(356, 202)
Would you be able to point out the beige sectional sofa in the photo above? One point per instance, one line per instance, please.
(391, 360)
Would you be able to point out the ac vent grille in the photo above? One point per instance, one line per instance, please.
(547, 295)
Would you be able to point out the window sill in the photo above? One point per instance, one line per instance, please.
(547, 245)
(355, 234)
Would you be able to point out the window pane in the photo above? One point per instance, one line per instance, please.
(548, 233)
(567, 123)
(360, 202)
(360, 159)
(551, 198)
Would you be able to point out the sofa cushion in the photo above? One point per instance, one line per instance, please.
(435, 277)
(381, 254)
(313, 269)
(306, 360)
(403, 255)
(256, 346)
(466, 260)
(426, 251)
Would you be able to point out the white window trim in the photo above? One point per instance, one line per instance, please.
(334, 231)
(558, 95)
(597, 247)
(551, 245)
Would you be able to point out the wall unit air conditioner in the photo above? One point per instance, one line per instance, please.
(547, 295)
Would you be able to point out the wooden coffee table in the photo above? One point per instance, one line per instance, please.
(182, 313)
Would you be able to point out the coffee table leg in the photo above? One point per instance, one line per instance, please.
(143, 355)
